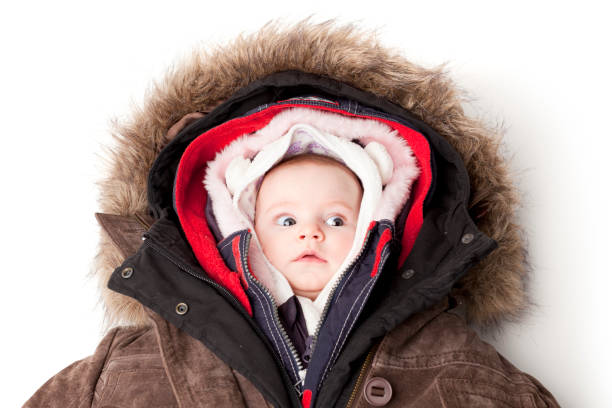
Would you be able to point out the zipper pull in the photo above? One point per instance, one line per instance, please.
(308, 350)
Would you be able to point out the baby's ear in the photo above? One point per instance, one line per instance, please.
(378, 153)
(234, 172)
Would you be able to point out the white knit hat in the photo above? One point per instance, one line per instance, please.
(372, 165)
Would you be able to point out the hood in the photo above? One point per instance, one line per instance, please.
(493, 289)
(378, 155)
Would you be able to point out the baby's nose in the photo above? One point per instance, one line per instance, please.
(311, 232)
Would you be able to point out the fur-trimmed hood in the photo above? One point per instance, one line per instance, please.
(493, 290)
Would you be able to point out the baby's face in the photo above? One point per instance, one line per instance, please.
(305, 219)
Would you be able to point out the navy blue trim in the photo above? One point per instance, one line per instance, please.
(263, 306)
(297, 100)
(225, 249)
(347, 303)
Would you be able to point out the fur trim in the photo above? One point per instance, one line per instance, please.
(493, 290)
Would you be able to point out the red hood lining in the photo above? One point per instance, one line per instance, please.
(190, 194)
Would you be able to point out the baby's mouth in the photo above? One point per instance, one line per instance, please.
(309, 256)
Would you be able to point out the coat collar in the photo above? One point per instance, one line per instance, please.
(164, 276)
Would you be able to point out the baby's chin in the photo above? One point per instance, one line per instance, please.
(312, 295)
(306, 280)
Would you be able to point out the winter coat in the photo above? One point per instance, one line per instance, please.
(188, 334)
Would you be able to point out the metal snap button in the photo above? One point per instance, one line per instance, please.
(377, 392)
(408, 273)
(467, 238)
(182, 308)
(127, 272)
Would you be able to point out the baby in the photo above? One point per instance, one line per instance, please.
(305, 218)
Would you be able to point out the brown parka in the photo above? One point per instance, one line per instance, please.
(430, 359)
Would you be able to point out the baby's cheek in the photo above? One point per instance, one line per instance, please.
(264, 240)
(348, 238)
(274, 248)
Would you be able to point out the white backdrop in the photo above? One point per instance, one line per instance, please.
(543, 70)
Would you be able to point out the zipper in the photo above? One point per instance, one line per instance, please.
(245, 266)
(288, 342)
(149, 242)
(362, 372)
(297, 383)
(382, 262)
(296, 101)
(334, 288)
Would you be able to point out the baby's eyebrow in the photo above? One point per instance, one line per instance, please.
(342, 204)
(289, 204)
(339, 203)
(280, 204)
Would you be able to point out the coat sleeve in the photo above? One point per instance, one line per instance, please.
(74, 386)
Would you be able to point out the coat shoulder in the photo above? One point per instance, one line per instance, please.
(84, 382)
(444, 340)
(440, 361)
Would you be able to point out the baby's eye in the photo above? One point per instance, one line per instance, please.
(335, 221)
(285, 221)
